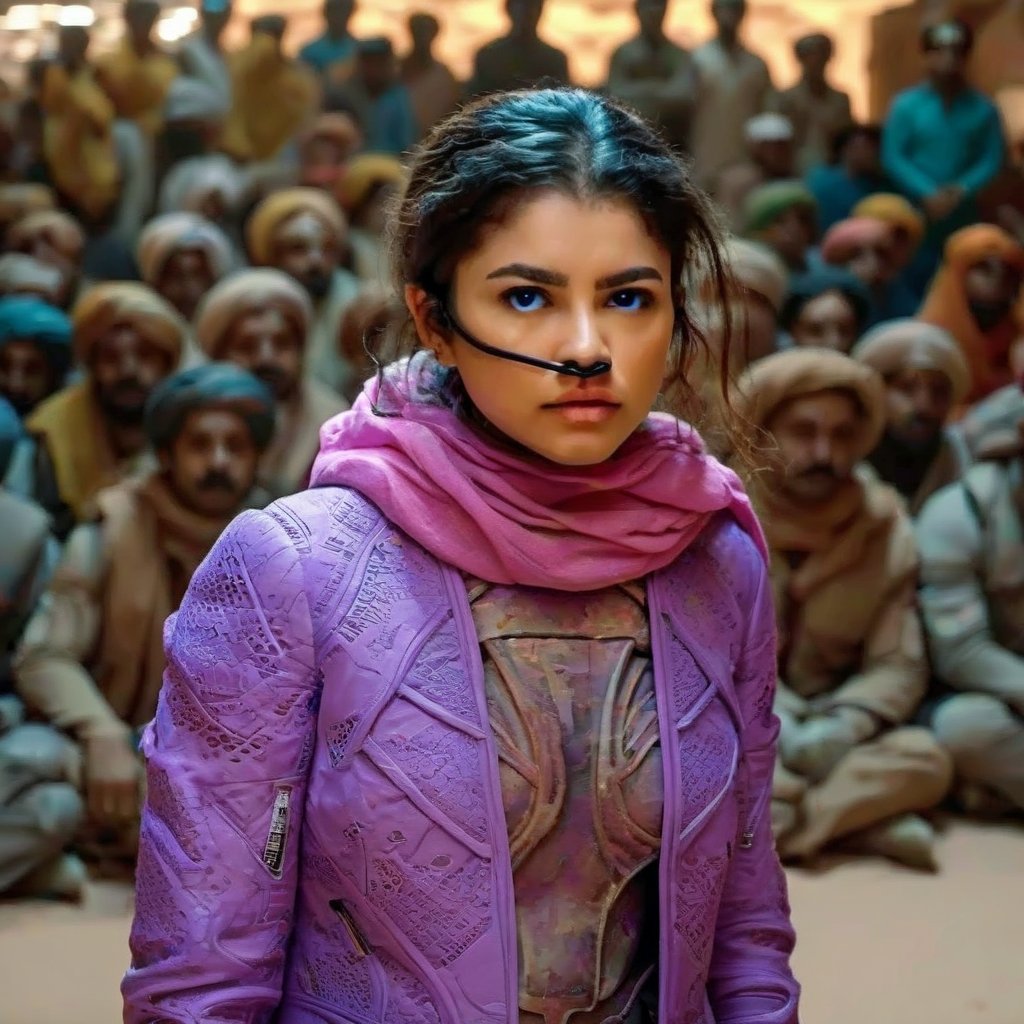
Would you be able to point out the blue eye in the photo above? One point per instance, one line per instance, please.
(524, 300)
(630, 299)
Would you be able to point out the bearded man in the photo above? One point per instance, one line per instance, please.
(852, 667)
(926, 377)
(90, 435)
(259, 320)
(35, 351)
(303, 232)
(91, 660)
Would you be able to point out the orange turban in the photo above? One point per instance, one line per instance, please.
(245, 292)
(104, 306)
(281, 206)
(946, 304)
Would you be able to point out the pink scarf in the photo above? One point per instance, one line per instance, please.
(508, 518)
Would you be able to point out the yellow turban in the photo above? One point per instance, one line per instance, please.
(363, 174)
(281, 206)
(104, 306)
(243, 293)
(895, 211)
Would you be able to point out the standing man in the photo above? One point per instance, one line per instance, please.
(303, 232)
(520, 59)
(926, 378)
(943, 141)
(734, 86)
(434, 90)
(332, 54)
(654, 75)
(852, 666)
(90, 435)
(817, 111)
(137, 75)
(379, 99)
(971, 536)
(202, 55)
(91, 660)
(259, 320)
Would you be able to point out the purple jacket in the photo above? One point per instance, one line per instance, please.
(324, 840)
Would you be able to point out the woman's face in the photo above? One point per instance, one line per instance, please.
(561, 279)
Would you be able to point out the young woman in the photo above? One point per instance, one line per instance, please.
(479, 729)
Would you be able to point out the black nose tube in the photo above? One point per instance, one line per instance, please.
(570, 368)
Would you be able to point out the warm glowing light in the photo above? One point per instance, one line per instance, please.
(76, 14)
(22, 18)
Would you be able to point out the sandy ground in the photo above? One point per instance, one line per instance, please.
(877, 945)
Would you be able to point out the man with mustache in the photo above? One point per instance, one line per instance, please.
(259, 320)
(971, 536)
(302, 232)
(852, 666)
(90, 435)
(91, 659)
(926, 377)
(35, 351)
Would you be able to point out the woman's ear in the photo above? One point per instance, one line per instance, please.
(424, 310)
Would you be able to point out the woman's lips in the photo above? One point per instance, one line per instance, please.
(585, 410)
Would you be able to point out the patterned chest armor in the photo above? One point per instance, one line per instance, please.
(570, 696)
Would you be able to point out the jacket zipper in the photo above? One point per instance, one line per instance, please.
(362, 947)
(755, 812)
(277, 836)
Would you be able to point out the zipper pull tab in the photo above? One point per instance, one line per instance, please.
(747, 839)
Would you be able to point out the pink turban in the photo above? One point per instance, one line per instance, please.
(843, 238)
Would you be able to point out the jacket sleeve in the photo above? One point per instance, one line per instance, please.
(894, 670)
(750, 980)
(964, 650)
(227, 760)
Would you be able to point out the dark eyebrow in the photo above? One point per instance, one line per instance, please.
(629, 277)
(538, 275)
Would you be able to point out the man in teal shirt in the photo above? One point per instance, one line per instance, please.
(333, 54)
(943, 141)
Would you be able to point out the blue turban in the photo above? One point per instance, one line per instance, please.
(27, 318)
(210, 386)
(11, 432)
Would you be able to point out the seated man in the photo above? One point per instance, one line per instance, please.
(259, 320)
(181, 256)
(852, 666)
(926, 378)
(971, 536)
(91, 659)
(866, 247)
(56, 239)
(39, 807)
(975, 296)
(303, 232)
(35, 351)
(90, 435)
